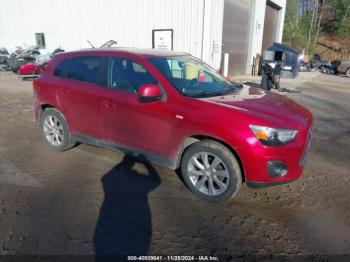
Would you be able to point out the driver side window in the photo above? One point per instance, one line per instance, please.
(127, 75)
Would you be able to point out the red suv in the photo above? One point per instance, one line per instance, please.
(173, 110)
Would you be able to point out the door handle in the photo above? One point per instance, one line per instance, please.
(64, 90)
(109, 104)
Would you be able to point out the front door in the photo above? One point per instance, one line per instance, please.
(143, 126)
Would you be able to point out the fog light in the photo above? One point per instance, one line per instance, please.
(276, 169)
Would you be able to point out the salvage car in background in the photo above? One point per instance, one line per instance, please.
(4, 57)
(344, 67)
(22, 56)
(32, 70)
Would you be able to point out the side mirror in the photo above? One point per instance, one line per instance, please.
(149, 92)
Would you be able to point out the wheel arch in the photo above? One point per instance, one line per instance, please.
(188, 141)
(43, 107)
(46, 106)
(40, 109)
(70, 141)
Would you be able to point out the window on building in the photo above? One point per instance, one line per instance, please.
(40, 40)
(128, 76)
(85, 69)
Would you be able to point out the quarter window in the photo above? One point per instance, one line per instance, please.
(85, 69)
(128, 75)
(60, 69)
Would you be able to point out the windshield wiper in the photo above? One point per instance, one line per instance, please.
(202, 94)
(232, 88)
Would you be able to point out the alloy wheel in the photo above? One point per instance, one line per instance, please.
(53, 130)
(208, 173)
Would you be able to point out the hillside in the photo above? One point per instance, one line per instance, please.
(333, 48)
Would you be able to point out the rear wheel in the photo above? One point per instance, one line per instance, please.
(55, 130)
(211, 171)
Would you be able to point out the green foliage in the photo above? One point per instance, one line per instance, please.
(330, 17)
(293, 34)
(298, 28)
(341, 18)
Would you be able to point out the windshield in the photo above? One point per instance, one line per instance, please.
(193, 78)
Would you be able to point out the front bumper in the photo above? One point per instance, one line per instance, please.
(257, 160)
(259, 185)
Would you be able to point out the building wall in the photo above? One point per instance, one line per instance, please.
(197, 24)
(212, 33)
(199, 27)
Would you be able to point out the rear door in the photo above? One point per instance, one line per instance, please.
(144, 126)
(78, 95)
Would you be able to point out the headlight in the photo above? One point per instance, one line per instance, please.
(273, 137)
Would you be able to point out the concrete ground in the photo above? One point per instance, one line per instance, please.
(89, 199)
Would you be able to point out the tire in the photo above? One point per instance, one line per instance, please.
(198, 176)
(348, 72)
(265, 82)
(269, 85)
(55, 131)
(277, 84)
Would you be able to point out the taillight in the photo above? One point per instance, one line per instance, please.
(44, 66)
(36, 85)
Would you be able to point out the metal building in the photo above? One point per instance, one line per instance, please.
(207, 29)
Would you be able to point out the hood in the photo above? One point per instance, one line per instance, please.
(273, 109)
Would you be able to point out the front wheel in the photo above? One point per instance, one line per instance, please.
(211, 171)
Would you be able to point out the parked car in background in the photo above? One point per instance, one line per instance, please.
(22, 56)
(344, 67)
(328, 68)
(32, 70)
(173, 110)
(316, 62)
(4, 58)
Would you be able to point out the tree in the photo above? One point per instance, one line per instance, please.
(300, 28)
(330, 17)
(293, 32)
(337, 24)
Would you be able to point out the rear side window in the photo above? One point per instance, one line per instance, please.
(85, 69)
(60, 69)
